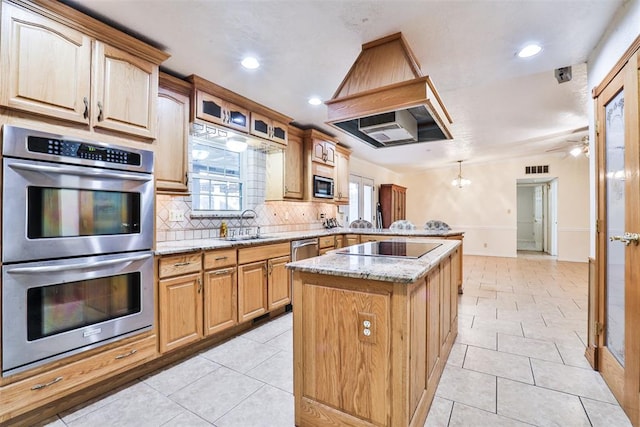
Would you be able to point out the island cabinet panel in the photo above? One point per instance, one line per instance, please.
(445, 294)
(346, 368)
(418, 351)
(433, 324)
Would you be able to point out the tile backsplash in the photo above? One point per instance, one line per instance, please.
(272, 217)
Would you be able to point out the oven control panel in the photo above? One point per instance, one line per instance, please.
(82, 150)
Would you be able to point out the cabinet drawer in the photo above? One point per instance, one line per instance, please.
(180, 264)
(259, 253)
(327, 241)
(217, 259)
(36, 391)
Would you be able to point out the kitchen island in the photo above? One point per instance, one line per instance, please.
(373, 327)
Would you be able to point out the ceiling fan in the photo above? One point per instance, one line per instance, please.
(575, 147)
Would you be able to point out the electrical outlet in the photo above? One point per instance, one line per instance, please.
(367, 327)
(176, 215)
(321, 215)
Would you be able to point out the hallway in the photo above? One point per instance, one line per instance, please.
(518, 361)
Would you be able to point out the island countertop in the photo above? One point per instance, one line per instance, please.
(387, 269)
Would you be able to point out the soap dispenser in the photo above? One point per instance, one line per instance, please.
(223, 229)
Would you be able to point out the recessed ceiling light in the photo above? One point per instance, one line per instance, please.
(315, 101)
(529, 50)
(250, 63)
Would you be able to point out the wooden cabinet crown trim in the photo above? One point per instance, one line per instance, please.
(94, 28)
(170, 82)
(213, 89)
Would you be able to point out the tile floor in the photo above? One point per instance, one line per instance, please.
(518, 361)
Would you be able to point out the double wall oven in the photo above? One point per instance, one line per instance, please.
(77, 232)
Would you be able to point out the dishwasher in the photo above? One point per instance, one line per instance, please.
(302, 249)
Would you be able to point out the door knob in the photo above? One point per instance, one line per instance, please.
(627, 238)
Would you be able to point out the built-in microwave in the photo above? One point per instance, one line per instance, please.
(322, 187)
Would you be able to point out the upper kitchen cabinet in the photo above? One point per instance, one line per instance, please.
(124, 92)
(55, 62)
(173, 134)
(341, 175)
(322, 147)
(267, 128)
(215, 110)
(215, 104)
(285, 179)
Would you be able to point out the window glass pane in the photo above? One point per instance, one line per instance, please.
(367, 204)
(217, 178)
(353, 201)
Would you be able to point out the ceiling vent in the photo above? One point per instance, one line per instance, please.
(396, 126)
(385, 100)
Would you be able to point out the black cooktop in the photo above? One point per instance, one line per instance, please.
(390, 249)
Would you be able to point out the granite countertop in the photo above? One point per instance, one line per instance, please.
(182, 246)
(387, 269)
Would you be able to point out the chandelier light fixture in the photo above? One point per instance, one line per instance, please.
(460, 181)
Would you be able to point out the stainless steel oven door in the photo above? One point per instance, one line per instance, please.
(54, 210)
(53, 309)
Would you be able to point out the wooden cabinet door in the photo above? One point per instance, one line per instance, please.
(279, 289)
(342, 178)
(220, 300)
(45, 66)
(317, 151)
(172, 141)
(293, 169)
(279, 132)
(210, 108)
(124, 92)
(260, 126)
(351, 239)
(237, 117)
(252, 290)
(180, 309)
(330, 156)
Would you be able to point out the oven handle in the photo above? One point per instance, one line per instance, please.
(80, 171)
(57, 268)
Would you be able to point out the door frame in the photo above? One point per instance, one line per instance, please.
(549, 211)
(623, 381)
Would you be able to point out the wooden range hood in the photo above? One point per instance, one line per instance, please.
(384, 83)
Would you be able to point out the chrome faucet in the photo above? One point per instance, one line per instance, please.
(242, 218)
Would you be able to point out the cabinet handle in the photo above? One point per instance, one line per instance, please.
(199, 285)
(220, 258)
(270, 268)
(186, 179)
(181, 264)
(122, 356)
(264, 270)
(221, 272)
(100, 115)
(86, 108)
(41, 386)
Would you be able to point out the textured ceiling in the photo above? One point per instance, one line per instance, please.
(501, 106)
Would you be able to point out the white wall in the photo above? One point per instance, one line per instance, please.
(622, 31)
(379, 174)
(487, 209)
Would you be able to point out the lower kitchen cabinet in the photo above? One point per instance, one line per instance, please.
(180, 300)
(278, 284)
(263, 281)
(220, 291)
(326, 244)
(180, 311)
(350, 240)
(252, 290)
